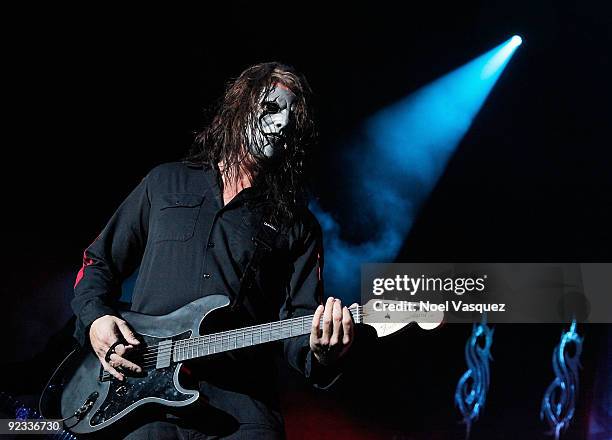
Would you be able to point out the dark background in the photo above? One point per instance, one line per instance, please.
(94, 99)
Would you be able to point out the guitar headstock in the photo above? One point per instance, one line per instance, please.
(388, 316)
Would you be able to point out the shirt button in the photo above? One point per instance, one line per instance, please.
(207, 275)
(210, 244)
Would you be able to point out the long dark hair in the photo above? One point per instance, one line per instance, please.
(226, 137)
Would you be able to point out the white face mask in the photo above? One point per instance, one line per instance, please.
(273, 119)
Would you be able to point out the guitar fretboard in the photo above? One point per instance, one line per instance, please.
(207, 345)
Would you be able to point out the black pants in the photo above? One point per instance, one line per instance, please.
(198, 422)
(161, 430)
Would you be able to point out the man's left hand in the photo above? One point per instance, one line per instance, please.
(332, 336)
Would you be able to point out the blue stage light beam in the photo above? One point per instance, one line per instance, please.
(397, 157)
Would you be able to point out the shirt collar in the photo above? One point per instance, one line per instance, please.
(213, 177)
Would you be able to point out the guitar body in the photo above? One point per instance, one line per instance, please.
(78, 383)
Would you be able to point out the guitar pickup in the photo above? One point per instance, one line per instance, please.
(164, 354)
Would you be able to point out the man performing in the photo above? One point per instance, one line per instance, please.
(231, 219)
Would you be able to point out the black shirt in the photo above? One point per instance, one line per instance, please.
(187, 245)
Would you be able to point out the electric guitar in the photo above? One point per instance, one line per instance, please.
(89, 399)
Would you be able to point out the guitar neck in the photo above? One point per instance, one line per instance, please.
(206, 345)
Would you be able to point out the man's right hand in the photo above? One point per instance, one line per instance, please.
(103, 333)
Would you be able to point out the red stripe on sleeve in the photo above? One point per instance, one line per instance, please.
(86, 262)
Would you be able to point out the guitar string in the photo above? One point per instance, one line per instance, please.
(195, 345)
(187, 346)
(219, 338)
(269, 327)
(187, 349)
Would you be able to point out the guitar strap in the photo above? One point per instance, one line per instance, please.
(265, 241)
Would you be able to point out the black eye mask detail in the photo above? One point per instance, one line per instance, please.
(270, 107)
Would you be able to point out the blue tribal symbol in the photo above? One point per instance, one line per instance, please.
(559, 400)
(472, 388)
